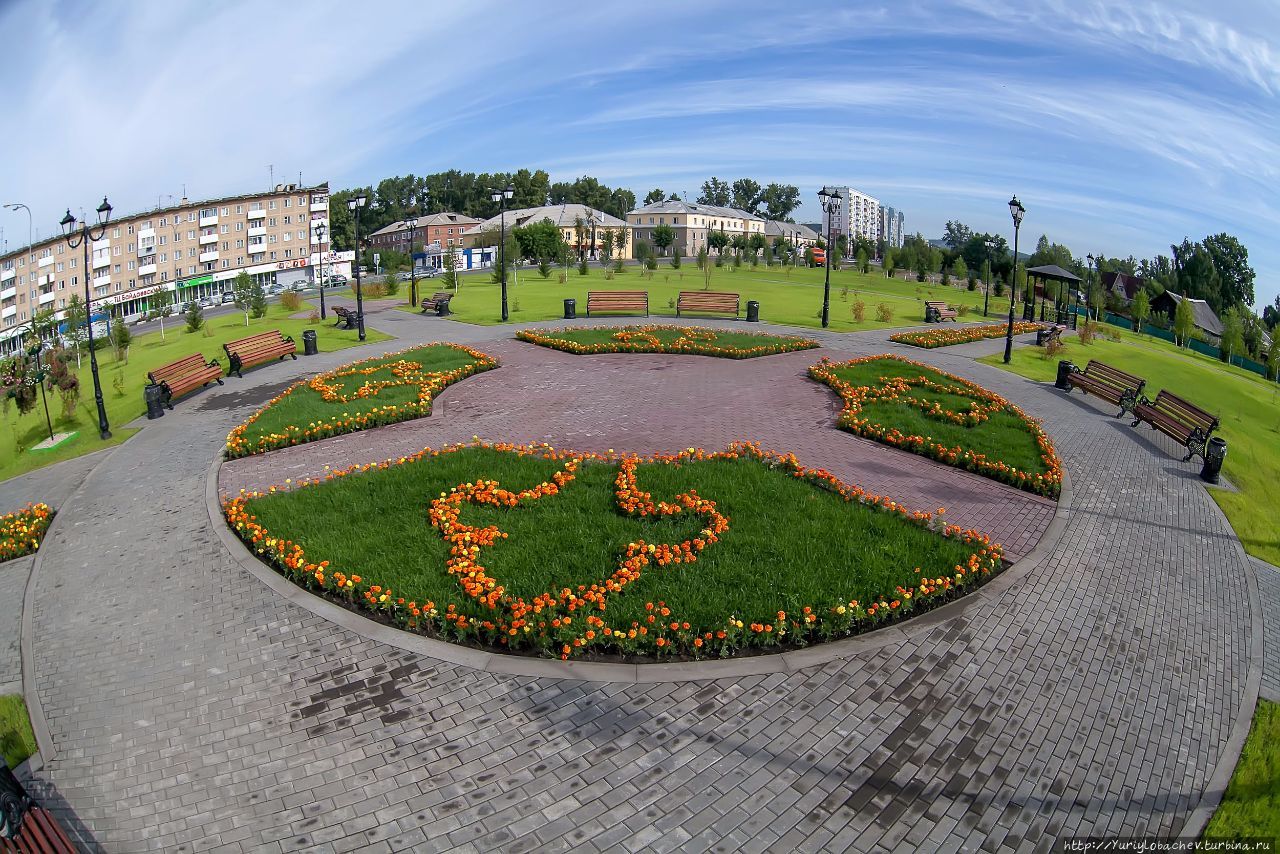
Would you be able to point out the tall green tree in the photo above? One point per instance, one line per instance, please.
(663, 236)
(258, 299)
(606, 246)
(1140, 309)
(538, 240)
(1232, 332)
(746, 194)
(655, 195)
(959, 270)
(77, 320)
(887, 262)
(715, 192)
(242, 291)
(1184, 322)
(1235, 276)
(450, 279)
(718, 240)
(779, 201)
(957, 234)
(864, 262)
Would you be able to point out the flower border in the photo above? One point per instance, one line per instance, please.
(929, 339)
(552, 623)
(1047, 484)
(640, 339)
(22, 531)
(431, 383)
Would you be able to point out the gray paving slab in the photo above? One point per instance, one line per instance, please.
(1096, 695)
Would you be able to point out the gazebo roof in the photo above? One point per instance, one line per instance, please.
(1053, 271)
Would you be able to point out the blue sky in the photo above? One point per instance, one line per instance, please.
(1122, 126)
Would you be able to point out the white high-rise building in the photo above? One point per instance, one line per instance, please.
(859, 214)
(891, 222)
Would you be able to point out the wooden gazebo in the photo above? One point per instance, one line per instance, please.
(1063, 308)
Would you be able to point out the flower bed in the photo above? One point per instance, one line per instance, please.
(347, 399)
(929, 412)
(618, 572)
(22, 531)
(693, 340)
(931, 338)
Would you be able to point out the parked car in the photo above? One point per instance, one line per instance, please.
(228, 297)
(431, 272)
(208, 302)
(335, 280)
(275, 289)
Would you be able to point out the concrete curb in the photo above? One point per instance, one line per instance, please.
(691, 671)
(1216, 786)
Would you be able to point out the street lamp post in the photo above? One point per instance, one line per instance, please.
(89, 235)
(1016, 210)
(420, 203)
(501, 197)
(830, 200)
(320, 251)
(1088, 285)
(13, 206)
(354, 204)
(986, 299)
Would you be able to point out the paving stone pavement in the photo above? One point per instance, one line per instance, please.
(13, 583)
(191, 709)
(1269, 589)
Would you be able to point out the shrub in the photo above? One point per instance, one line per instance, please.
(608, 275)
(844, 291)
(859, 311)
(973, 283)
(544, 267)
(582, 266)
(962, 310)
(117, 382)
(314, 317)
(617, 265)
(563, 278)
(1052, 348)
(373, 291)
(675, 260)
(1086, 331)
(671, 303)
(291, 300)
(391, 284)
(997, 289)
(884, 312)
(651, 263)
(515, 303)
(195, 317)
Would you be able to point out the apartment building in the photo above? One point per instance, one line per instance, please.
(692, 223)
(859, 214)
(192, 250)
(581, 227)
(891, 225)
(444, 228)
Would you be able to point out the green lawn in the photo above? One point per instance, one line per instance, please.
(1003, 445)
(147, 352)
(17, 741)
(789, 544)
(369, 393)
(1251, 806)
(1247, 405)
(787, 296)
(665, 339)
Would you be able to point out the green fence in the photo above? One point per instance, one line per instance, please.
(1195, 344)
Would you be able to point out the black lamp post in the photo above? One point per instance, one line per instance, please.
(986, 298)
(1088, 285)
(412, 226)
(501, 197)
(88, 235)
(354, 204)
(1016, 210)
(830, 201)
(319, 230)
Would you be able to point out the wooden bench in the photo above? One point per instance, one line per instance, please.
(617, 302)
(1050, 335)
(26, 828)
(177, 378)
(707, 301)
(257, 349)
(437, 302)
(1180, 420)
(936, 311)
(347, 318)
(1110, 384)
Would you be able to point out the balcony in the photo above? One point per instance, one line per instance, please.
(45, 299)
(146, 235)
(44, 280)
(45, 261)
(257, 230)
(206, 257)
(103, 261)
(9, 312)
(8, 294)
(319, 203)
(144, 251)
(101, 281)
(206, 239)
(260, 213)
(208, 221)
(146, 269)
(6, 275)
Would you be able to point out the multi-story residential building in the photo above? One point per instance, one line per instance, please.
(581, 227)
(858, 214)
(692, 223)
(891, 222)
(192, 250)
(444, 228)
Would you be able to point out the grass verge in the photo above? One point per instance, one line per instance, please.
(1251, 806)
(932, 413)
(369, 393)
(17, 741)
(690, 555)
(1247, 405)
(123, 381)
(653, 338)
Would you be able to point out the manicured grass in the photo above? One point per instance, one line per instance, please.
(17, 741)
(665, 339)
(790, 542)
(787, 296)
(1251, 806)
(975, 430)
(147, 352)
(1246, 403)
(357, 396)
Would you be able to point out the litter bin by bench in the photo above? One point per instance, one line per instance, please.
(570, 309)
(153, 396)
(753, 311)
(309, 345)
(1065, 369)
(1213, 457)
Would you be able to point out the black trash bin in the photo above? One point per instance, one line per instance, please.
(309, 346)
(1065, 369)
(753, 311)
(1213, 457)
(1040, 336)
(570, 309)
(153, 396)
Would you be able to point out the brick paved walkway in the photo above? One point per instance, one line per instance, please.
(192, 709)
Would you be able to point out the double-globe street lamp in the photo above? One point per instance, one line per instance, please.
(830, 200)
(354, 204)
(986, 299)
(319, 230)
(419, 205)
(88, 235)
(500, 197)
(1016, 210)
